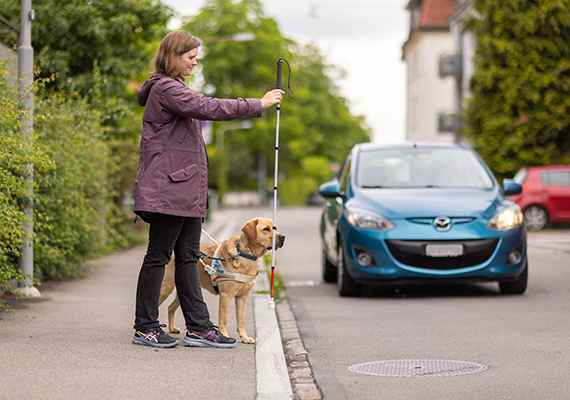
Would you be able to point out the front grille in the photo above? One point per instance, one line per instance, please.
(413, 253)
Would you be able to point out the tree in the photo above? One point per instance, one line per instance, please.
(316, 127)
(69, 36)
(519, 112)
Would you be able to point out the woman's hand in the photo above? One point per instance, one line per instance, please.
(271, 98)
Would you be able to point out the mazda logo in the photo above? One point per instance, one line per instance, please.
(442, 224)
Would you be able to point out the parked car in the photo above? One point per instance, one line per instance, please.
(545, 196)
(421, 212)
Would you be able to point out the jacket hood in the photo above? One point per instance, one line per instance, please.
(144, 91)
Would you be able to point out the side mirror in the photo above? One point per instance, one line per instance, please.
(330, 189)
(511, 187)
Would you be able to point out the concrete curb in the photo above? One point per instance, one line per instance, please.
(272, 375)
(272, 378)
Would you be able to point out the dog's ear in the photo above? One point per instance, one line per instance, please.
(250, 230)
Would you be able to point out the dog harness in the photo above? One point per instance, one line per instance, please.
(219, 274)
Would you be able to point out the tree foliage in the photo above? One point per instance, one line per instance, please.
(519, 112)
(316, 127)
(69, 36)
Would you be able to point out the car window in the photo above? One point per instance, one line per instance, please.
(521, 176)
(433, 168)
(345, 173)
(556, 178)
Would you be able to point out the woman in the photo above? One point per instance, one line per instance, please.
(172, 191)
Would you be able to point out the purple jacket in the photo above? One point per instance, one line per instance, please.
(172, 175)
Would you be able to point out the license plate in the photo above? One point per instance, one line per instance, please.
(444, 250)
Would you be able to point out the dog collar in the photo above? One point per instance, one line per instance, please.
(244, 255)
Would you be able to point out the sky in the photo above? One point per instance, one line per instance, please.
(363, 37)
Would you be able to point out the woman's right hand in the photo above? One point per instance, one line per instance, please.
(271, 98)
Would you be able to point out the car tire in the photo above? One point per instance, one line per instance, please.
(346, 285)
(535, 218)
(517, 287)
(328, 268)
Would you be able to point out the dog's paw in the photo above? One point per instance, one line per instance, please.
(174, 330)
(248, 340)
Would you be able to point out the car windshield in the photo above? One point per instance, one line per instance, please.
(520, 176)
(424, 168)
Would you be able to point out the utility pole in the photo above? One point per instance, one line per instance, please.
(26, 79)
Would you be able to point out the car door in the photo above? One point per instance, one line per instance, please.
(334, 209)
(557, 185)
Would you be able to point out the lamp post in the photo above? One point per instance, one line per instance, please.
(26, 78)
(224, 162)
(245, 124)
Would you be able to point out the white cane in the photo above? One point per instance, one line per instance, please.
(275, 179)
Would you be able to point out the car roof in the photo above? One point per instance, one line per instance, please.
(548, 167)
(409, 145)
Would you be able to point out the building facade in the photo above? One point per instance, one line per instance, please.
(430, 97)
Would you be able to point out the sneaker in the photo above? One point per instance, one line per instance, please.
(155, 338)
(211, 339)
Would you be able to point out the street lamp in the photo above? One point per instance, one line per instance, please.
(228, 126)
(236, 37)
(224, 162)
(26, 78)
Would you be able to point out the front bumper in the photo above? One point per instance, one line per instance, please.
(399, 255)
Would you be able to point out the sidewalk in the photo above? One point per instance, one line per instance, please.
(553, 239)
(75, 342)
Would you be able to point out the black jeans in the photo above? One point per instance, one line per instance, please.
(182, 235)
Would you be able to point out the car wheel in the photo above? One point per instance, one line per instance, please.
(517, 287)
(328, 268)
(346, 285)
(535, 218)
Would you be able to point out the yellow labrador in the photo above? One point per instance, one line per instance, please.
(233, 267)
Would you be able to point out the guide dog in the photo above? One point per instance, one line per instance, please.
(228, 270)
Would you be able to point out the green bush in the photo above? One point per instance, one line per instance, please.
(79, 204)
(15, 153)
(77, 166)
(296, 191)
(72, 201)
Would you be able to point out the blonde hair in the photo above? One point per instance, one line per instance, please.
(171, 48)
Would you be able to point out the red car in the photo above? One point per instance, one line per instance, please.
(546, 195)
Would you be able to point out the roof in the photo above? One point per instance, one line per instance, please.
(434, 13)
(429, 15)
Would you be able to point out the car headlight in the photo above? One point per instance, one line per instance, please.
(368, 220)
(508, 218)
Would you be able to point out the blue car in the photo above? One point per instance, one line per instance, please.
(420, 213)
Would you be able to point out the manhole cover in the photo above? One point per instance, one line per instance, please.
(417, 368)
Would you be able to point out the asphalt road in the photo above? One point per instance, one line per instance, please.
(523, 340)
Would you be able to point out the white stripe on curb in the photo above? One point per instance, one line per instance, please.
(272, 376)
